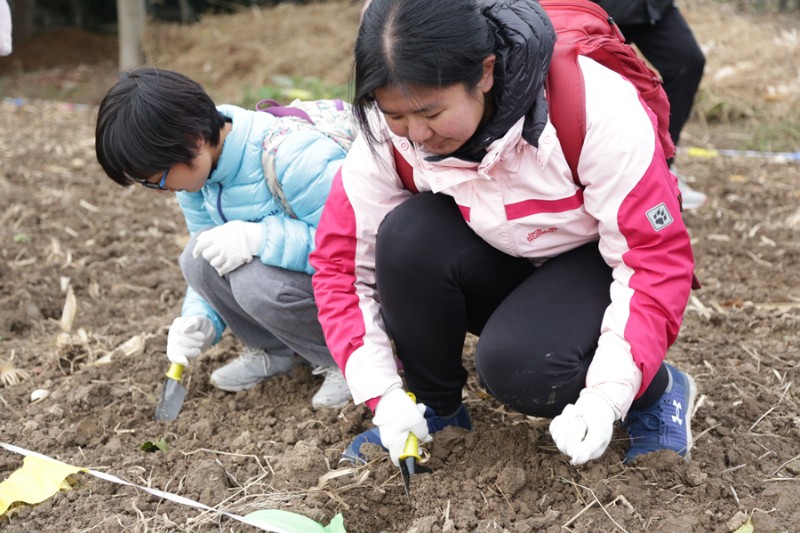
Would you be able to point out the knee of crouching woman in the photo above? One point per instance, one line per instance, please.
(535, 386)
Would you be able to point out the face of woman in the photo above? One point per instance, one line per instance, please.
(440, 119)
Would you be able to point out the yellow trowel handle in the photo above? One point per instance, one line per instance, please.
(412, 442)
(411, 449)
(175, 371)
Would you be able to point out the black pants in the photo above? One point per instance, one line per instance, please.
(538, 328)
(672, 49)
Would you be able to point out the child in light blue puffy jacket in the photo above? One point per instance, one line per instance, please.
(246, 263)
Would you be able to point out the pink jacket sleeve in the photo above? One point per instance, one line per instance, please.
(631, 192)
(363, 193)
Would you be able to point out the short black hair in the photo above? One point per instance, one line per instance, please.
(150, 120)
(421, 43)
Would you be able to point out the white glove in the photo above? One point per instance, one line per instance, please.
(229, 246)
(188, 337)
(583, 430)
(396, 415)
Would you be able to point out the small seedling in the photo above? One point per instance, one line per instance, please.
(150, 446)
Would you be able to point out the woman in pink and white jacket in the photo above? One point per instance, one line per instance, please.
(575, 293)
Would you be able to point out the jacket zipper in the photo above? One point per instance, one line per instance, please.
(219, 204)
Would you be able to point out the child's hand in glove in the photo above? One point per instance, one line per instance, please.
(188, 337)
(396, 415)
(583, 430)
(229, 246)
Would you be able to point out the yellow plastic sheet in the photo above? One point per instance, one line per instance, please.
(37, 480)
(40, 477)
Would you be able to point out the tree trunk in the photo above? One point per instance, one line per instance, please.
(78, 18)
(22, 14)
(131, 16)
(187, 14)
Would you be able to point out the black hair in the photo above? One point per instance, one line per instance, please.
(423, 43)
(150, 120)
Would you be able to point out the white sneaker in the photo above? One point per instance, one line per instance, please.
(250, 369)
(334, 392)
(690, 198)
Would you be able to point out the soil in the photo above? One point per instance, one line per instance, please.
(67, 234)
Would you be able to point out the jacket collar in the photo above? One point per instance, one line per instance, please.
(230, 159)
(524, 41)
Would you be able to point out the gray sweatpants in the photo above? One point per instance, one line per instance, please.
(266, 307)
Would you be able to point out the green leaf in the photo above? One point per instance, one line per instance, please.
(22, 237)
(150, 446)
(287, 522)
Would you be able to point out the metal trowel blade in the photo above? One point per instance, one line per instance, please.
(171, 400)
(171, 396)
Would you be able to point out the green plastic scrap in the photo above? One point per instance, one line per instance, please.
(286, 522)
(747, 527)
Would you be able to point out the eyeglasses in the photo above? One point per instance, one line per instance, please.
(153, 185)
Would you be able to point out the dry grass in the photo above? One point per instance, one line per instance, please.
(233, 54)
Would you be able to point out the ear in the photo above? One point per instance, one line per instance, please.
(487, 75)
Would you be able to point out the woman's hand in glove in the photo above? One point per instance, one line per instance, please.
(396, 416)
(583, 430)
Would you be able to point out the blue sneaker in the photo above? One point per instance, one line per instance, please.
(667, 424)
(460, 418)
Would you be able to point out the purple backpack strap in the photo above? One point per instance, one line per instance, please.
(274, 108)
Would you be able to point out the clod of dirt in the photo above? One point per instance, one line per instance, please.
(207, 480)
(300, 466)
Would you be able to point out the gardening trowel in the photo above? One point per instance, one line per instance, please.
(173, 394)
(409, 462)
(409, 459)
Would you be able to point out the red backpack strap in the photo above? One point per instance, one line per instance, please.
(404, 170)
(566, 98)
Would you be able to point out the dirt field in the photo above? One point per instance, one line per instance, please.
(65, 230)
